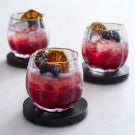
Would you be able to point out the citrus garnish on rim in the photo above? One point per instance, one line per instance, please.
(31, 14)
(98, 27)
(59, 56)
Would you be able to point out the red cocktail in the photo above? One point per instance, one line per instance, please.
(54, 86)
(105, 50)
(27, 42)
(25, 36)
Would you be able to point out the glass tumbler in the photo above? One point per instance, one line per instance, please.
(26, 36)
(54, 79)
(105, 47)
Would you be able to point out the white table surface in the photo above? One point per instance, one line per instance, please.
(111, 108)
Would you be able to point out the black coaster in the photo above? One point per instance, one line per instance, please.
(105, 78)
(16, 61)
(40, 117)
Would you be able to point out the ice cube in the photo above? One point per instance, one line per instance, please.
(116, 48)
(102, 46)
(103, 41)
(37, 33)
(20, 26)
(95, 37)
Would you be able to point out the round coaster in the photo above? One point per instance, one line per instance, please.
(16, 61)
(40, 117)
(105, 78)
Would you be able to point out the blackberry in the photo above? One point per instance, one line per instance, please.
(41, 57)
(44, 68)
(116, 36)
(107, 35)
(111, 35)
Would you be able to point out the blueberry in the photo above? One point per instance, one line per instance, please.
(55, 70)
(111, 35)
(44, 68)
(38, 23)
(32, 22)
(107, 35)
(116, 36)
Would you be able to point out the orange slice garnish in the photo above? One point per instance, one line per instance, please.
(31, 14)
(59, 56)
(98, 27)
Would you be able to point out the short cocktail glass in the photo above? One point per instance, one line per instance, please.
(54, 86)
(105, 50)
(26, 36)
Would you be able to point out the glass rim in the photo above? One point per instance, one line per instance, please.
(110, 23)
(12, 16)
(68, 61)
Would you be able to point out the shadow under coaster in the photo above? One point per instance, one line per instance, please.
(41, 117)
(16, 61)
(105, 78)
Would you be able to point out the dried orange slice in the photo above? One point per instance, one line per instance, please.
(59, 56)
(98, 27)
(31, 14)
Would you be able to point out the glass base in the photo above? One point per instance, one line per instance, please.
(51, 110)
(24, 56)
(99, 70)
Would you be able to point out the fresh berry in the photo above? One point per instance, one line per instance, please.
(44, 68)
(111, 35)
(32, 22)
(116, 36)
(41, 54)
(55, 70)
(36, 23)
(41, 57)
(107, 35)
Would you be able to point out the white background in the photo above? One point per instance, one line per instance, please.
(111, 108)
